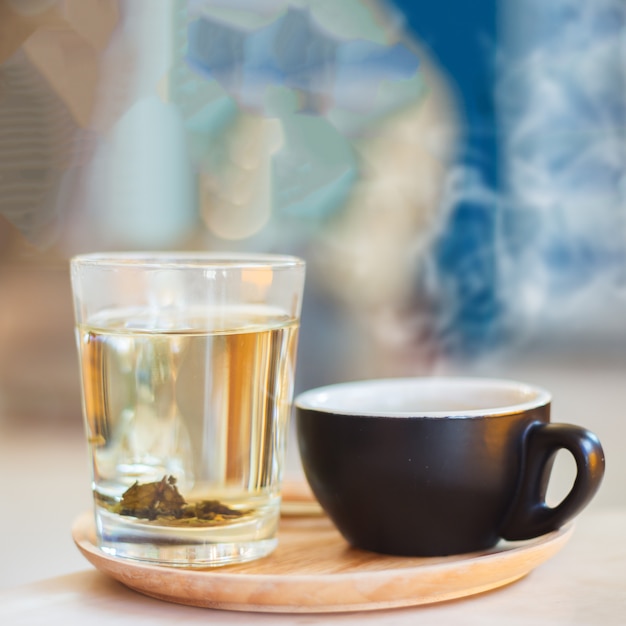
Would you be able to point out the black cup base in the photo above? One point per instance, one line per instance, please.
(399, 546)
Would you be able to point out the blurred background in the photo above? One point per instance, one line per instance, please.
(453, 173)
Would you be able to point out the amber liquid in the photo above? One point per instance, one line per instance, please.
(203, 398)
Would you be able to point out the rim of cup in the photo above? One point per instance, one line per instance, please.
(186, 259)
(425, 397)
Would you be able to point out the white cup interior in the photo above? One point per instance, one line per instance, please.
(425, 397)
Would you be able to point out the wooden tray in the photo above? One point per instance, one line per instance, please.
(313, 570)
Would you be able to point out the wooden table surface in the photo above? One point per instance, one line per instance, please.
(583, 584)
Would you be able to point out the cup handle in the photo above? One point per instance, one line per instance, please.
(530, 516)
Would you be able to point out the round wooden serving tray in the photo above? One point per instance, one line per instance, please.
(313, 570)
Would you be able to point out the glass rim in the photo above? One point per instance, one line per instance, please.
(186, 259)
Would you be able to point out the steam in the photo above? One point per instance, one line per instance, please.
(563, 101)
(555, 240)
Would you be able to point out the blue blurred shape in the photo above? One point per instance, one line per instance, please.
(294, 51)
(322, 86)
(217, 51)
(305, 55)
(463, 39)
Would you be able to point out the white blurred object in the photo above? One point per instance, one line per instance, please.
(141, 189)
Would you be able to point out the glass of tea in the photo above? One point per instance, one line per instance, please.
(187, 365)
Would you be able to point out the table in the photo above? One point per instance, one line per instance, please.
(583, 584)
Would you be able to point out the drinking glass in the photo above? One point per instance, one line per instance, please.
(187, 366)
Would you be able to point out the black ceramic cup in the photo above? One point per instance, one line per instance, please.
(439, 466)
